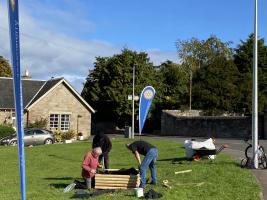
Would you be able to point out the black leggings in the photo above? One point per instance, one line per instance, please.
(106, 160)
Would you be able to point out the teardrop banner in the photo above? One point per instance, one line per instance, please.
(146, 98)
(13, 12)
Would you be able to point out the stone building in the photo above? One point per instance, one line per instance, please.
(54, 100)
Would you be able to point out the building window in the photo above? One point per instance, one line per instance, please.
(60, 122)
(65, 122)
(54, 121)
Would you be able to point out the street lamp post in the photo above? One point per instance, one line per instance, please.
(255, 90)
(133, 102)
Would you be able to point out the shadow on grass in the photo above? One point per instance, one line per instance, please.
(174, 160)
(60, 178)
(62, 158)
(58, 185)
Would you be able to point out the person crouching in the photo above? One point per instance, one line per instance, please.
(89, 166)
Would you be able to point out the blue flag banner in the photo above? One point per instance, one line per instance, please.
(13, 11)
(146, 98)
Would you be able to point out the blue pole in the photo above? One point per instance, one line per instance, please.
(13, 11)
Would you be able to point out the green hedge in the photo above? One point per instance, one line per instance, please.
(6, 130)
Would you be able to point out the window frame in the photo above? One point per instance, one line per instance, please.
(63, 121)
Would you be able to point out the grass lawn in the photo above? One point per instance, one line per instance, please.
(50, 168)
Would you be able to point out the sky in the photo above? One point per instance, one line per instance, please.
(61, 38)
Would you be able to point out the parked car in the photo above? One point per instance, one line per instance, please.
(32, 136)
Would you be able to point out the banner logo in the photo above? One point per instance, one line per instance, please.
(149, 94)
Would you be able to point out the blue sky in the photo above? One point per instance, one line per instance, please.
(62, 37)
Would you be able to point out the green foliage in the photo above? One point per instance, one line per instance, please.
(70, 134)
(39, 123)
(172, 88)
(5, 69)
(216, 87)
(195, 54)
(109, 84)
(212, 76)
(244, 62)
(6, 130)
(58, 135)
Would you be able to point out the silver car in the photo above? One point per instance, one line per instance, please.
(34, 136)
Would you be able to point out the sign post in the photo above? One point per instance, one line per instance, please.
(13, 11)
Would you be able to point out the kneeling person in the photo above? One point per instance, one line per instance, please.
(151, 153)
(89, 166)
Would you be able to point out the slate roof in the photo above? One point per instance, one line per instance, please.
(32, 91)
(45, 88)
(29, 89)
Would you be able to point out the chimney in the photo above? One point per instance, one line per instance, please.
(26, 74)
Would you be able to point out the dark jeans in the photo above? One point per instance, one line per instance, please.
(149, 161)
(106, 160)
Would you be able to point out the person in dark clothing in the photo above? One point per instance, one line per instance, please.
(151, 153)
(103, 141)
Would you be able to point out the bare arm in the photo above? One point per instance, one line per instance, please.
(137, 156)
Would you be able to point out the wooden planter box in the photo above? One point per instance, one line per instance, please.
(113, 181)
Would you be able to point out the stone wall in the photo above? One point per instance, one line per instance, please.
(61, 100)
(6, 116)
(203, 126)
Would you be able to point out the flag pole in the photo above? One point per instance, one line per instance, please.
(133, 102)
(13, 12)
(255, 90)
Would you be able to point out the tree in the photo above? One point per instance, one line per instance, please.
(195, 53)
(172, 85)
(5, 70)
(216, 87)
(110, 82)
(243, 59)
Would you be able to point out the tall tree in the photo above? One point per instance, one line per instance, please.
(110, 82)
(5, 70)
(216, 87)
(172, 85)
(243, 59)
(189, 52)
(195, 53)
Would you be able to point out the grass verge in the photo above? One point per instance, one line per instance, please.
(50, 168)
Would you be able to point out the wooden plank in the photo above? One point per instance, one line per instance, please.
(117, 184)
(112, 170)
(114, 175)
(109, 187)
(114, 182)
(116, 179)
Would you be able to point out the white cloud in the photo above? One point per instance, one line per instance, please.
(158, 56)
(48, 53)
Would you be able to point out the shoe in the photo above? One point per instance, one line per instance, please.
(196, 158)
(69, 187)
(152, 183)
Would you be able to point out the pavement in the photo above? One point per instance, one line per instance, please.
(237, 151)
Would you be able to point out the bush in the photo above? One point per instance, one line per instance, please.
(42, 123)
(58, 135)
(6, 130)
(68, 135)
